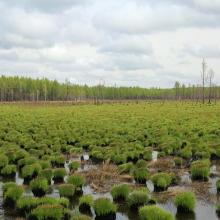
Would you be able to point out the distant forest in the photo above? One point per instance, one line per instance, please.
(28, 89)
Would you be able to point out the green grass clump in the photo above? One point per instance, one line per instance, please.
(77, 180)
(154, 213)
(12, 194)
(141, 175)
(126, 167)
(147, 155)
(85, 203)
(58, 160)
(104, 207)
(47, 212)
(59, 174)
(186, 153)
(39, 186)
(9, 170)
(218, 186)
(79, 216)
(161, 181)
(26, 203)
(137, 198)
(120, 192)
(47, 174)
(45, 164)
(200, 170)
(3, 161)
(73, 166)
(8, 185)
(141, 164)
(66, 190)
(30, 171)
(185, 202)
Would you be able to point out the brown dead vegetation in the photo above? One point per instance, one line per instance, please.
(102, 178)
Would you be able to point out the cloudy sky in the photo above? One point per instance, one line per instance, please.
(123, 42)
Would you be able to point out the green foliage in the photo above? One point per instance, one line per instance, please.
(141, 175)
(77, 180)
(30, 171)
(74, 165)
(47, 174)
(47, 212)
(80, 217)
(200, 170)
(59, 174)
(8, 185)
(3, 161)
(86, 200)
(12, 194)
(161, 181)
(9, 170)
(147, 155)
(185, 202)
(120, 192)
(27, 203)
(126, 167)
(137, 198)
(66, 190)
(104, 206)
(39, 186)
(154, 213)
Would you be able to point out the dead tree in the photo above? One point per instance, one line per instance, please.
(204, 65)
(210, 77)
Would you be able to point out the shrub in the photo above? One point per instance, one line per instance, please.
(39, 186)
(12, 194)
(77, 180)
(3, 161)
(200, 170)
(218, 209)
(59, 174)
(185, 202)
(120, 192)
(161, 181)
(218, 186)
(126, 167)
(141, 175)
(85, 203)
(73, 166)
(66, 190)
(47, 174)
(47, 212)
(104, 208)
(9, 170)
(137, 198)
(119, 159)
(154, 213)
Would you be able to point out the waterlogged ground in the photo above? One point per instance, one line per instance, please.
(205, 208)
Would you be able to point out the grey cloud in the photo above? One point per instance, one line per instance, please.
(202, 51)
(49, 6)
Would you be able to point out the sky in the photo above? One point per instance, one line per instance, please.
(146, 43)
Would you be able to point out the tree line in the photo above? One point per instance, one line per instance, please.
(15, 88)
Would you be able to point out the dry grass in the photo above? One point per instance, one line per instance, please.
(103, 177)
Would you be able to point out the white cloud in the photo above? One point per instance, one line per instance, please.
(128, 42)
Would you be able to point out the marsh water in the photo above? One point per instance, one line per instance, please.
(205, 208)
